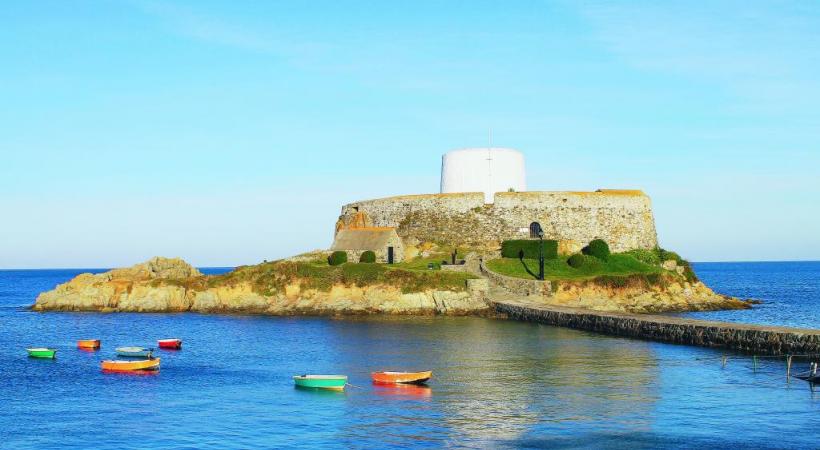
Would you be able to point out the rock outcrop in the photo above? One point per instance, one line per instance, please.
(672, 297)
(672, 294)
(171, 285)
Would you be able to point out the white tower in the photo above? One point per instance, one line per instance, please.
(487, 170)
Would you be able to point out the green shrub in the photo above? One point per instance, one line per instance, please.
(653, 278)
(367, 257)
(688, 273)
(588, 263)
(612, 281)
(636, 279)
(597, 248)
(650, 257)
(577, 261)
(528, 248)
(337, 257)
(666, 255)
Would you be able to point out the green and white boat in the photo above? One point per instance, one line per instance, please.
(134, 352)
(331, 382)
(41, 352)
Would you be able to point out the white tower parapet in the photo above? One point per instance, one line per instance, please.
(487, 170)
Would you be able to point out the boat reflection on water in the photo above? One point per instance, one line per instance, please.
(320, 392)
(403, 390)
(132, 373)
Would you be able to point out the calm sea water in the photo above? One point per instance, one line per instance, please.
(790, 291)
(496, 383)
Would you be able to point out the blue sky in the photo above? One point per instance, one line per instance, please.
(231, 132)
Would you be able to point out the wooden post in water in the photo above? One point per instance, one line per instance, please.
(723, 362)
(788, 367)
(754, 358)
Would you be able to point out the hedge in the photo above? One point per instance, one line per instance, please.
(336, 258)
(368, 256)
(597, 248)
(528, 248)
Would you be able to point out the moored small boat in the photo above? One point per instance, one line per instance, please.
(812, 375)
(143, 365)
(170, 343)
(41, 352)
(88, 344)
(332, 382)
(134, 352)
(401, 377)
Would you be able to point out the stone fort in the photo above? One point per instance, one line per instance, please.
(483, 201)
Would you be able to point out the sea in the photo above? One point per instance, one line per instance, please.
(496, 383)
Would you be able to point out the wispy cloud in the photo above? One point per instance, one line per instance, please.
(767, 54)
(199, 25)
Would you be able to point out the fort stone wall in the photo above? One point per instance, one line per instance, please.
(622, 218)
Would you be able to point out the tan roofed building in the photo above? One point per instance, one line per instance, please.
(383, 241)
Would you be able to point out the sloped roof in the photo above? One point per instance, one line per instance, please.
(370, 238)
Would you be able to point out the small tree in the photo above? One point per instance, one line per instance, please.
(597, 248)
(367, 257)
(337, 257)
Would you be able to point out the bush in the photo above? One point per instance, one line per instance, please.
(528, 248)
(597, 248)
(367, 257)
(336, 258)
(688, 273)
(666, 255)
(645, 256)
(577, 261)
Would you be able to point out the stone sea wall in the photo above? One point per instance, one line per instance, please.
(763, 340)
(623, 218)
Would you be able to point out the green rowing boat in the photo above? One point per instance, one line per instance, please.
(47, 353)
(334, 382)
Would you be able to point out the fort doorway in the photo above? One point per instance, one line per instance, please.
(535, 230)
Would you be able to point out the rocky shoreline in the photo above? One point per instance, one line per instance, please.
(634, 295)
(172, 285)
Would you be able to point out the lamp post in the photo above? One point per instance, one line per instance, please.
(541, 254)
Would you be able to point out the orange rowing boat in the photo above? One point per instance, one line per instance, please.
(130, 366)
(88, 343)
(401, 377)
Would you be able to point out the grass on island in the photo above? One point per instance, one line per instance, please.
(618, 265)
(271, 278)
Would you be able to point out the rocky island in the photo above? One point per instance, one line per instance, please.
(314, 287)
(452, 253)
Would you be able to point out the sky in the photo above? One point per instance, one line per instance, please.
(228, 133)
